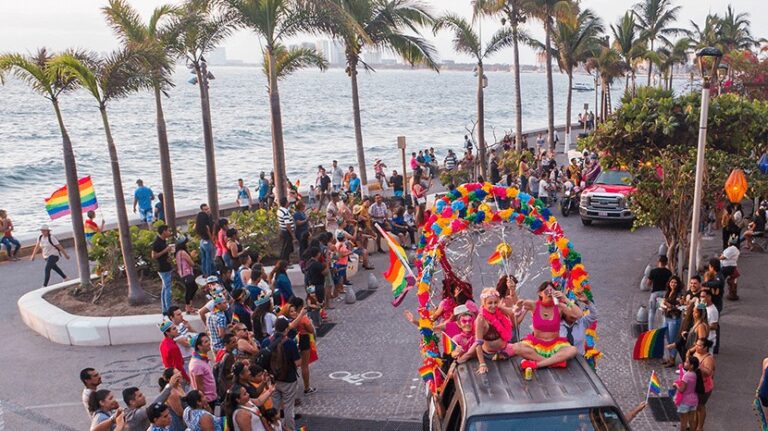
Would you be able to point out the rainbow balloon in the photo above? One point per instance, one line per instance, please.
(57, 205)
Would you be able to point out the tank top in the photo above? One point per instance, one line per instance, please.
(242, 194)
(182, 266)
(544, 325)
(256, 424)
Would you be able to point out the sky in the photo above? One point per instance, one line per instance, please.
(60, 24)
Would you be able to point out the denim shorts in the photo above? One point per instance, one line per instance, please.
(146, 215)
(685, 408)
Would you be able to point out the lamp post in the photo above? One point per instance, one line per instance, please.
(705, 56)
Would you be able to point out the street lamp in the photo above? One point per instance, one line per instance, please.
(709, 60)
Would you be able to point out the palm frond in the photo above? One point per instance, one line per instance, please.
(465, 40)
(288, 61)
(503, 38)
(412, 49)
(84, 72)
(125, 21)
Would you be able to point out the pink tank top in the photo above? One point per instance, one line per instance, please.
(544, 325)
(182, 266)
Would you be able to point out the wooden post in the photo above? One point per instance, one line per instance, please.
(401, 146)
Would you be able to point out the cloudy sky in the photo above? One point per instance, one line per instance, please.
(59, 24)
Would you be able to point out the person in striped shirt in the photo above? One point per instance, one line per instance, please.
(285, 222)
(450, 161)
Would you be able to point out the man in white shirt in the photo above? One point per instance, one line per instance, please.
(713, 316)
(91, 379)
(728, 263)
(337, 176)
(182, 340)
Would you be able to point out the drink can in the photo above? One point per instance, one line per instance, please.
(529, 373)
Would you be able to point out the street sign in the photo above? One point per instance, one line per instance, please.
(401, 142)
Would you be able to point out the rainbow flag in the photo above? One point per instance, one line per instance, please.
(399, 274)
(90, 229)
(654, 385)
(57, 205)
(650, 344)
(427, 373)
(495, 258)
(449, 346)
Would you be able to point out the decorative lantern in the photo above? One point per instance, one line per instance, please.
(736, 186)
(709, 60)
(763, 164)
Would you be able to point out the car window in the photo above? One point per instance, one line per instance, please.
(614, 178)
(596, 419)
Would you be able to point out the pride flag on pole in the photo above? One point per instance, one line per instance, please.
(650, 344)
(654, 385)
(57, 205)
(399, 274)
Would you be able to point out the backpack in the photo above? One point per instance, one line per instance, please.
(277, 363)
(264, 357)
(50, 241)
(218, 373)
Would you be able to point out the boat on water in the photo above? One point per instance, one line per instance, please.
(582, 87)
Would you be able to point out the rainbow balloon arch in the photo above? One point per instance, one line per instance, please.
(466, 206)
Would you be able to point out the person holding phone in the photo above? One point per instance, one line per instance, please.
(161, 252)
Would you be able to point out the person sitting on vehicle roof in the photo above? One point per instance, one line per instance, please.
(493, 329)
(545, 347)
(575, 329)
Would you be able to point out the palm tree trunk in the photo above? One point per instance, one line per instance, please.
(136, 294)
(626, 84)
(568, 112)
(278, 149)
(357, 122)
(550, 92)
(518, 95)
(169, 206)
(73, 195)
(650, 66)
(210, 158)
(669, 84)
(634, 82)
(481, 119)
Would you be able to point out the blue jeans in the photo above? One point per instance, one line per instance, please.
(207, 254)
(165, 293)
(653, 305)
(673, 327)
(8, 241)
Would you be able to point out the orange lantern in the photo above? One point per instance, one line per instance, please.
(736, 186)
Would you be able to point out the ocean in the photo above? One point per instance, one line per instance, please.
(430, 109)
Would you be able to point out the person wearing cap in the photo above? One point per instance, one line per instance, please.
(212, 289)
(217, 322)
(161, 252)
(170, 353)
(143, 197)
(51, 249)
(159, 416)
(284, 363)
(136, 411)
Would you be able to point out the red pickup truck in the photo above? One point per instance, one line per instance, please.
(606, 199)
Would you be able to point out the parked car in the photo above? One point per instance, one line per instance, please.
(607, 198)
(555, 399)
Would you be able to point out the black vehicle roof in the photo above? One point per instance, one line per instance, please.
(504, 389)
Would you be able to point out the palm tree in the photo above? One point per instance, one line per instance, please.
(654, 20)
(275, 21)
(705, 36)
(381, 25)
(515, 13)
(574, 44)
(466, 41)
(549, 11)
(114, 77)
(670, 55)
(734, 31)
(200, 30)
(35, 71)
(629, 44)
(607, 63)
(126, 22)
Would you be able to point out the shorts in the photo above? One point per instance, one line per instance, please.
(546, 349)
(685, 408)
(703, 398)
(304, 342)
(145, 214)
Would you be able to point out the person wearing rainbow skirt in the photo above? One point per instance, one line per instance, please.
(545, 347)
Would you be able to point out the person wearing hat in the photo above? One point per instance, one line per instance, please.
(217, 322)
(51, 249)
(240, 310)
(169, 350)
(143, 197)
(212, 289)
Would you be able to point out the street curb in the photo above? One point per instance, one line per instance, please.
(62, 327)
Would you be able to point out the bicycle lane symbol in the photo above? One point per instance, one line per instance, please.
(355, 379)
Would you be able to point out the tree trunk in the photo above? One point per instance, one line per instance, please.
(136, 294)
(169, 206)
(568, 112)
(550, 93)
(669, 85)
(357, 122)
(73, 196)
(634, 82)
(481, 120)
(210, 158)
(518, 96)
(278, 149)
(650, 66)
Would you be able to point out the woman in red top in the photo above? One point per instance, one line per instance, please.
(306, 333)
(545, 347)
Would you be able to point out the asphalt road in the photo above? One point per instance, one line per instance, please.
(368, 361)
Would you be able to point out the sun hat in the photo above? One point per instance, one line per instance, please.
(357, 209)
(212, 279)
(45, 227)
(461, 309)
(165, 326)
(263, 297)
(219, 299)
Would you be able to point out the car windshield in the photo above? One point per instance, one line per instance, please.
(595, 419)
(614, 178)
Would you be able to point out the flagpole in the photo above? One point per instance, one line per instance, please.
(402, 259)
(648, 393)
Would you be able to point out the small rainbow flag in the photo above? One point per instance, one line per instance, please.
(448, 345)
(58, 204)
(90, 229)
(426, 372)
(650, 344)
(495, 258)
(399, 273)
(654, 385)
